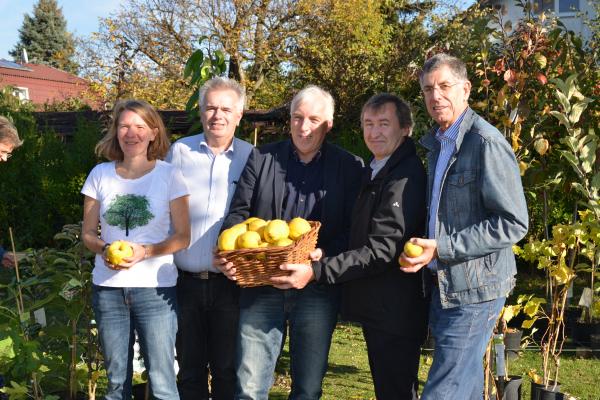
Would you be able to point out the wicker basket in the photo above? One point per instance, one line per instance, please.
(254, 267)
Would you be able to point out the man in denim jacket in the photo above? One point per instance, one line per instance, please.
(477, 211)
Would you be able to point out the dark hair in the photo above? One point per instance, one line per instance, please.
(109, 147)
(378, 101)
(456, 65)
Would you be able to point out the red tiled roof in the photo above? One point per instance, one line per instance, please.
(43, 72)
(45, 84)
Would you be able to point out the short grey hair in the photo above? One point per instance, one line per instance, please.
(222, 83)
(309, 93)
(456, 66)
(8, 133)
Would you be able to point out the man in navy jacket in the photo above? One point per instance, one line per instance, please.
(302, 177)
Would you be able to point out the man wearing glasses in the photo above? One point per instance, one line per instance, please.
(9, 140)
(477, 211)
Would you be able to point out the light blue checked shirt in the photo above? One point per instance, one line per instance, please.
(447, 141)
(212, 180)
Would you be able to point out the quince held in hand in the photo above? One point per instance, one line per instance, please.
(117, 251)
(411, 250)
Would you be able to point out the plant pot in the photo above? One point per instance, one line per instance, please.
(63, 395)
(595, 344)
(537, 390)
(548, 394)
(512, 388)
(512, 343)
(572, 314)
(138, 391)
(582, 332)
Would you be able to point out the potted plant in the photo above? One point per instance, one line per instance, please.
(43, 354)
(557, 257)
(580, 151)
(22, 359)
(506, 386)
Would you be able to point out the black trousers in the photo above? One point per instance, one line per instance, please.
(206, 340)
(394, 362)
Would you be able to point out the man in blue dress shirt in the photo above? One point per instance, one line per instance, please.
(211, 163)
(477, 211)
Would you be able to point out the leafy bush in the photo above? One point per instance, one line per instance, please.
(39, 186)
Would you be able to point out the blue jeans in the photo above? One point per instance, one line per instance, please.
(311, 314)
(152, 313)
(461, 336)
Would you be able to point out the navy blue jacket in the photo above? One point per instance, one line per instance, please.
(261, 189)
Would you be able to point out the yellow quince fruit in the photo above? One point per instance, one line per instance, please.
(412, 250)
(248, 240)
(298, 227)
(239, 228)
(256, 224)
(227, 239)
(117, 251)
(275, 230)
(284, 242)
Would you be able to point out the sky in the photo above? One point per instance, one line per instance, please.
(81, 15)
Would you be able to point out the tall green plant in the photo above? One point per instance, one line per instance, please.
(554, 256)
(581, 146)
(55, 282)
(200, 67)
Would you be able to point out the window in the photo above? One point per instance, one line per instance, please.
(568, 6)
(562, 6)
(540, 6)
(22, 93)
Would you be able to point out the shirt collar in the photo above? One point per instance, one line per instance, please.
(377, 165)
(452, 132)
(204, 145)
(296, 157)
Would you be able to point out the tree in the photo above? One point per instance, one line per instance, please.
(128, 212)
(357, 48)
(152, 39)
(45, 37)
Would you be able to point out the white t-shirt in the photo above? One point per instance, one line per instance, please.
(136, 210)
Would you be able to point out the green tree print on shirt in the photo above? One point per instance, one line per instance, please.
(128, 211)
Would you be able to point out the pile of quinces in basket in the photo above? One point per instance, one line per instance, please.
(255, 233)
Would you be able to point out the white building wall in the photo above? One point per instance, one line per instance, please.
(573, 20)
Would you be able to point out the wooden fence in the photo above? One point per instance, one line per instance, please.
(177, 122)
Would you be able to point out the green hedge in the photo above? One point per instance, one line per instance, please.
(39, 186)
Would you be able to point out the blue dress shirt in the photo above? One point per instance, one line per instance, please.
(212, 180)
(447, 141)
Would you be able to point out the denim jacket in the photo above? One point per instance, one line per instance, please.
(482, 213)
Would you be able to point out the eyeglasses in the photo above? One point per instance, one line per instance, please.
(5, 155)
(444, 88)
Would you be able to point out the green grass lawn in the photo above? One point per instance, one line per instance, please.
(348, 374)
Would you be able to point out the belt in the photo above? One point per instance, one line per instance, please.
(204, 275)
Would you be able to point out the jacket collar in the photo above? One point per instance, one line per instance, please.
(330, 173)
(405, 150)
(430, 142)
